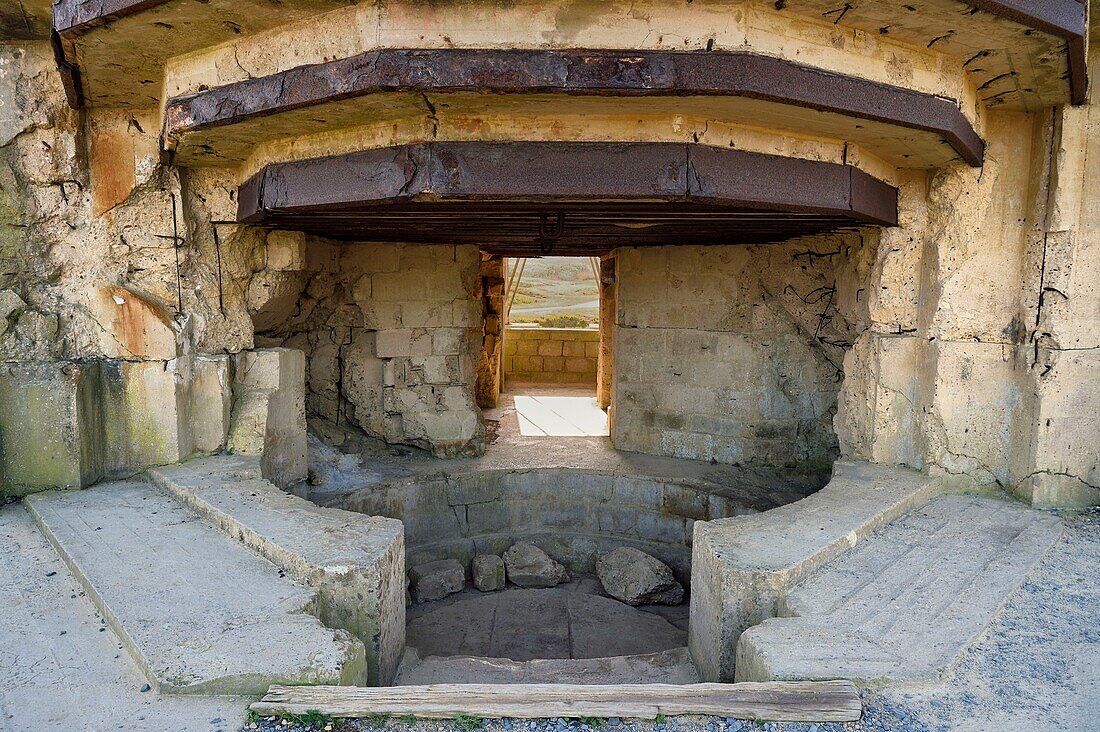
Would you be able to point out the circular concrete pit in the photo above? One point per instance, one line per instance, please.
(574, 632)
(574, 515)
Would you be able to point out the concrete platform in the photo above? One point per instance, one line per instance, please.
(903, 604)
(199, 613)
(355, 562)
(742, 567)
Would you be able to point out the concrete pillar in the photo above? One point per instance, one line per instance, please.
(144, 416)
(605, 368)
(268, 417)
(49, 427)
(487, 388)
(210, 403)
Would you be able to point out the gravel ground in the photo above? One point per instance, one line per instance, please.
(1037, 668)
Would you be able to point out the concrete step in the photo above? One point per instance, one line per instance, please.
(665, 667)
(198, 612)
(902, 605)
(355, 562)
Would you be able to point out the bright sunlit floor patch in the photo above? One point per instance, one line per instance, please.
(560, 416)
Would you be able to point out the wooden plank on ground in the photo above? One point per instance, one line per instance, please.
(793, 701)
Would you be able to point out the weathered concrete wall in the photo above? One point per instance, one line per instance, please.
(551, 355)
(392, 334)
(966, 336)
(112, 283)
(573, 515)
(979, 365)
(69, 424)
(732, 353)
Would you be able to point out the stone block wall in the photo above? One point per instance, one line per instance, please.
(392, 334)
(551, 355)
(733, 353)
(573, 515)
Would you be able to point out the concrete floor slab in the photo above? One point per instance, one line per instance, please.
(902, 605)
(559, 415)
(356, 562)
(523, 625)
(198, 612)
(665, 667)
(63, 668)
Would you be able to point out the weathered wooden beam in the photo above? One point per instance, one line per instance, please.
(630, 73)
(809, 701)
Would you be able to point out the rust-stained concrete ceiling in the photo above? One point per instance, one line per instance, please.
(1020, 53)
(24, 19)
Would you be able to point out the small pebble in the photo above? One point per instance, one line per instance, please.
(145, 688)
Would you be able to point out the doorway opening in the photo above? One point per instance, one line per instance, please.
(555, 333)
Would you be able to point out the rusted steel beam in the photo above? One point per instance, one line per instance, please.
(575, 72)
(80, 16)
(564, 197)
(1065, 19)
(71, 19)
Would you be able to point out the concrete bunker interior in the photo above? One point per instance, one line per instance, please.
(824, 251)
(719, 366)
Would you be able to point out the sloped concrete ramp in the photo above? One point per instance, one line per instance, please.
(902, 605)
(355, 562)
(198, 612)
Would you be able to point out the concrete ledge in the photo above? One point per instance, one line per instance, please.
(904, 604)
(740, 571)
(355, 562)
(663, 667)
(198, 613)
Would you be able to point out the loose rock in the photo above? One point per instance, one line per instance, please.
(436, 580)
(529, 566)
(632, 576)
(488, 572)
